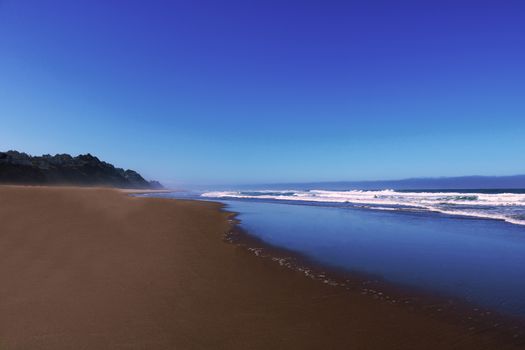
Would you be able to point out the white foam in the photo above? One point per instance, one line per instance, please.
(499, 206)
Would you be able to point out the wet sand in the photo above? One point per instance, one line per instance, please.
(97, 269)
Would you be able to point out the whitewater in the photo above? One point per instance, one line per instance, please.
(506, 206)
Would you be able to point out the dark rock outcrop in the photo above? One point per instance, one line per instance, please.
(85, 170)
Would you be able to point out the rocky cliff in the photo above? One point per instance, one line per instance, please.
(85, 170)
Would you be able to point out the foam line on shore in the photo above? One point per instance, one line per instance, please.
(509, 207)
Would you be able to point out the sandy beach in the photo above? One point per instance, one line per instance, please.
(88, 268)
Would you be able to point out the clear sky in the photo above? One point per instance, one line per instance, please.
(268, 91)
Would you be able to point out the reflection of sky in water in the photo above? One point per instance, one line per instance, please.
(482, 261)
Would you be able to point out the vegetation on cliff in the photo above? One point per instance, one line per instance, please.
(85, 170)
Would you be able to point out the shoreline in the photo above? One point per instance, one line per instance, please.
(450, 309)
(99, 269)
(447, 207)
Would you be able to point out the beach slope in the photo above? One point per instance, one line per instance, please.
(97, 269)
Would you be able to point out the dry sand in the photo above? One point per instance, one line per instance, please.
(97, 269)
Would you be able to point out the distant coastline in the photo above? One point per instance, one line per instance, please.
(474, 182)
(64, 169)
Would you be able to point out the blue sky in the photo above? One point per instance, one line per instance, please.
(268, 91)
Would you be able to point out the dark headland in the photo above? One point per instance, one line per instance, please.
(64, 169)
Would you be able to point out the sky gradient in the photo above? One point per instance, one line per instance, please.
(268, 91)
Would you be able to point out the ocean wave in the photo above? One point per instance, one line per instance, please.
(509, 207)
